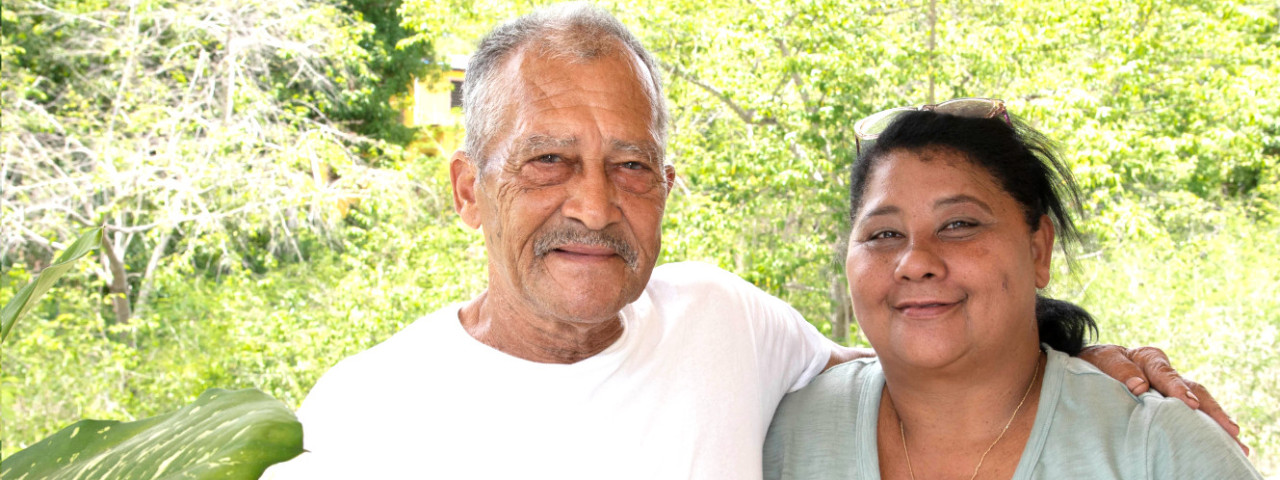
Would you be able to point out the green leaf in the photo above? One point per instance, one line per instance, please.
(30, 294)
(223, 434)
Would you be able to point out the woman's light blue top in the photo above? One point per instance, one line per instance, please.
(1087, 426)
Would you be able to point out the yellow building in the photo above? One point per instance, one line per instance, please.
(438, 102)
(435, 106)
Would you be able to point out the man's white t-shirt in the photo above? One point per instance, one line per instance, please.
(686, 392)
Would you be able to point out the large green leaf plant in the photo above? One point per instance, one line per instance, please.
(223, 434)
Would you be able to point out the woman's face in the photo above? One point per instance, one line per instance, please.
(942, 265)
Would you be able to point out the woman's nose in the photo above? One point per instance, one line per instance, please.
(920, 261)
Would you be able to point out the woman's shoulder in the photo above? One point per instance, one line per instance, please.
(1097, 419)
(1090, 400)
(1187, 443)
(843, 380)
(834, 392)
(827, 428)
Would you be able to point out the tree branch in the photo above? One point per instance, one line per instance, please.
(795, 77)
(747, 116)
(119, 287)
(148, 279)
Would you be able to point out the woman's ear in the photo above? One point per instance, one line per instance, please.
(1042, 250)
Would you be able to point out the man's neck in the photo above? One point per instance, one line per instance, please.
(522, 334)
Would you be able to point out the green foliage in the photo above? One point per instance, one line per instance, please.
(236, 434)
(394, 60)
(188, 129)
(302, 252)
(27, 296)
(1167, 112)
(277, 330)
(223, 434)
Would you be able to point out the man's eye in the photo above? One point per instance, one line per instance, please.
(634, 165)
(959, 224)
(549, 158)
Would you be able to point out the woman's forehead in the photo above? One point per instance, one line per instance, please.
(929, 175)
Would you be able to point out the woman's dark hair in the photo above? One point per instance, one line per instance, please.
(1065, 326)
(1025, 164)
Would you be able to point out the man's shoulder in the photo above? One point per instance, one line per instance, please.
(433, 328)
(705, 290)
(367, 371)
(691, 271)
(697, 277)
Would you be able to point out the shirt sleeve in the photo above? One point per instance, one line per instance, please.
(331, 415)
(803, 346)
(1185, 443)
(314, 416)
(789, 350)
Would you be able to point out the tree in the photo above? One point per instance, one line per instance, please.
(1168, 111)
(764, 96)
(196, 129)
(395, 58)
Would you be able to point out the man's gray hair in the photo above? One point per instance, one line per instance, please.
(575, 30)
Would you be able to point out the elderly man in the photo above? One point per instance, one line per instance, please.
(580, 360)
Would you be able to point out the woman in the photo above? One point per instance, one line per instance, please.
(954, 215)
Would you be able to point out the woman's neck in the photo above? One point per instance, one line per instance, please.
(950, 419)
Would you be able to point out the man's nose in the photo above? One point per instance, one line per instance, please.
(593, 199)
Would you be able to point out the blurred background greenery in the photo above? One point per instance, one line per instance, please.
(271, 212)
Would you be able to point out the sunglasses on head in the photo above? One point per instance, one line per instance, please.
(871, 127)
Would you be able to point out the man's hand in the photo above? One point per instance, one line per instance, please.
(841, 354)
(1139, 367)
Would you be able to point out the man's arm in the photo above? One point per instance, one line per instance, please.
(1138, 368)
(841, 354)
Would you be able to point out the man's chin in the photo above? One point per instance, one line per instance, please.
(585, 303)
(589, 291)
(595, 306)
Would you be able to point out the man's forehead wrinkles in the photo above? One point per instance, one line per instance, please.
(625, 146)
(540, 140)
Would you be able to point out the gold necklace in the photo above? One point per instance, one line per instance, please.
(903, 432)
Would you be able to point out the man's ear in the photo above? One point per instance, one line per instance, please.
(462, 173)
(1042, 250)
(669, 174)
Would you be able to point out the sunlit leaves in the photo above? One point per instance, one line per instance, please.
(28, 296)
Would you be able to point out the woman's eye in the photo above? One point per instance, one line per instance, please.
(883, 234)
(959, 229)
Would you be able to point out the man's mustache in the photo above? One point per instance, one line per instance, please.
(575, 235)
